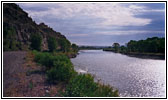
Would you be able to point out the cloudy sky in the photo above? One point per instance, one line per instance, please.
(101, 23)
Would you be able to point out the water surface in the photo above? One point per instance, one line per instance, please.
(133, 77)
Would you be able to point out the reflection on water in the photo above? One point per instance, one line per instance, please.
(133, 77)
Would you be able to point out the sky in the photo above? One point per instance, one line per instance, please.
(100, 24)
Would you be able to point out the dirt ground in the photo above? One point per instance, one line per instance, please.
(24, 78)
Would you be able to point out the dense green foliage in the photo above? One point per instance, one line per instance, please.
(58, 66)
(60, 69)
(64, 44)
(150, 45)
(116, 47)
(74, 47)
(36, 41)
(83, 85)
(44, 59)
(9, 39)
(123, 49)
(80, 86)
(153, 45)
(52, 44)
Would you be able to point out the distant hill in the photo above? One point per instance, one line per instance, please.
(17, 28)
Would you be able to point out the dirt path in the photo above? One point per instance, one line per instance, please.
(12, 64)
(24, 78)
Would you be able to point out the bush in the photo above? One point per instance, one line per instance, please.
(75, 47)
(9, 39)
(36, 41)
(64, 44)
(80, 86)
(61, 71)
(44, 59)
(83, 85)
(105, 91)
(58, 66)
(52, 44)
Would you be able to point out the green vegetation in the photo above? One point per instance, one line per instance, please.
(59, 68)
(31, 85)
(74, 47)
(64, 44)
(83, 85)
(52, 44)
(150, 45)
(9, 39)
(36, 41)
(116, 47)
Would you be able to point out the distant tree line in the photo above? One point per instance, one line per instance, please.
(150, 45)
(153, 45)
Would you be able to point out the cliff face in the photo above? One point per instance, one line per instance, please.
(17, 28)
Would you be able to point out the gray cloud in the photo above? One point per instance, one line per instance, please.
(90, 23)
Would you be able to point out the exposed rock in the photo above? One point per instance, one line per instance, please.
(14, 17)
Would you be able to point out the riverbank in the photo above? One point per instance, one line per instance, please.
(22, 77)
(44, 74)
(131, 76)
(59, 68)
(141, 55)
(146, 55)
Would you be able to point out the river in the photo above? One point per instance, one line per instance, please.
(133, 77)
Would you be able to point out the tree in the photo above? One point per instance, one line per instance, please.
(132, 45)
(52, 44)
(123, 49)
(9, 39)
(74, 47)
(116, 46)
(150, 45)
(64, 44)
(162, 45)
(36, 41)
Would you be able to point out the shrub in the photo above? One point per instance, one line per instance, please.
(58, 67)
(64, 44)
(9, 39)
(80, 86)
(52, 44)
(74, 47)
(48, 59)
(83, 85)
(44, 59)
(61, 71)
(36, 41)
(105, 91)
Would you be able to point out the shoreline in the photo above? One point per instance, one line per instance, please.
(146, 55)
(158, 56)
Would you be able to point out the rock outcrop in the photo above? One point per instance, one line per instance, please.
(18, 26)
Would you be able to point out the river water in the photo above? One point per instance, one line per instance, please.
(133, 77)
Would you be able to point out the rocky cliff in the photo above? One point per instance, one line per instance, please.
(18, 26)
